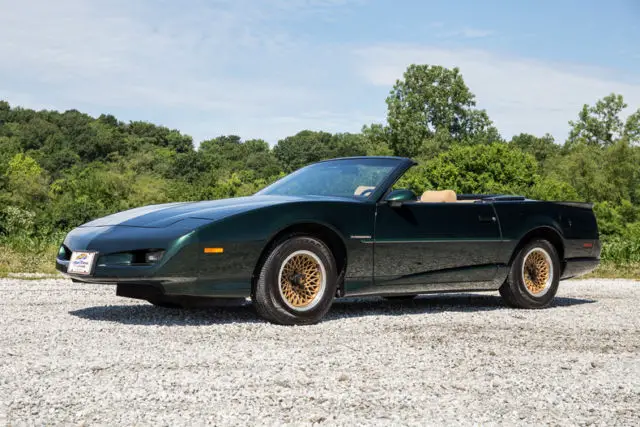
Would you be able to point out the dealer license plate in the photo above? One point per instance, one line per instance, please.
(81, 262)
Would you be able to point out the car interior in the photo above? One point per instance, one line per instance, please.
(430, 196)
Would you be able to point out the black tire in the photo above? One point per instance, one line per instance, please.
(515, 292)
(268, 297)
(400, 297)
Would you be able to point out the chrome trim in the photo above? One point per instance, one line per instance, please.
(438, 241)
(360, 237)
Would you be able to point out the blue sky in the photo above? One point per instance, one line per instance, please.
(267, 69)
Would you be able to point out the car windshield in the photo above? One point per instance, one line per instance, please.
(342, 178)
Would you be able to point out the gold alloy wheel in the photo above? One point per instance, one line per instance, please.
(537, 271)
(302, 280)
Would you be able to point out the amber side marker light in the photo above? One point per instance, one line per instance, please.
(213, 250)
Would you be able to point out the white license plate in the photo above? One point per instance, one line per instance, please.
(82, 262)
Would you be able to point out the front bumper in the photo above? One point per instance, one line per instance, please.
(110, 274)
(152, 282)
(183, 270)
(177, 266)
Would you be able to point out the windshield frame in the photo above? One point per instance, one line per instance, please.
(392, 176)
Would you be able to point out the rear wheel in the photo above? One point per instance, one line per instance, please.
(534, 276)
(297, 282)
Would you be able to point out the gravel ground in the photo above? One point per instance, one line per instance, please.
(77, 354)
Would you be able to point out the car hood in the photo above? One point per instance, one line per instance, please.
(164, 215)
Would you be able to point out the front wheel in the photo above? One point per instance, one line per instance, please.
(534, 276)
(297, 282)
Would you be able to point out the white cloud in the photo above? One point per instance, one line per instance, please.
(219, 62)
(229, 66)
(520, 95)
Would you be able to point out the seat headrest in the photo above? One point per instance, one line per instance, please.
(361, 189)
(438, 196)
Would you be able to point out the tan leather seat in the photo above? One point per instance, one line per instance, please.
(361, 189)
(443, 196)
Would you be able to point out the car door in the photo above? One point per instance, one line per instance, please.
(428, 243)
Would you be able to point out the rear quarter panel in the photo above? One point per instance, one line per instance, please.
(574, 222)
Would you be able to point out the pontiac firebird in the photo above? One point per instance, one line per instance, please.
(333, 229)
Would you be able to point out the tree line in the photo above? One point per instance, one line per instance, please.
(61, 169)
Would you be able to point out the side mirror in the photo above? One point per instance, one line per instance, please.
(397, 197)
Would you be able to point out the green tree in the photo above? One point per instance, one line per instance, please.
(27, 181)
(5, 112)
(60, 169)
(433, 99)
(230, 153)
(159, 136)
(621, 166)
(303, 148)
(632, 128)
(375, 139)
(541, 148)
(552, 188)
(347, 145)
(599, 124)
(491, 168)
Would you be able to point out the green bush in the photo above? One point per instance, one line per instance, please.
(61, 169)
(621, 250)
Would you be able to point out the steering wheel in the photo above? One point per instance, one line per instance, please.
(366, 193)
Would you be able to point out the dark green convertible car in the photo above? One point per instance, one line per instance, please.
(333, 229)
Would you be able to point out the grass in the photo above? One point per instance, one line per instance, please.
(42, 261)
(37, 261)
(612, 270)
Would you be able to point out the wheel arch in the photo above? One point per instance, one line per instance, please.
(326, 233)
(542, 232)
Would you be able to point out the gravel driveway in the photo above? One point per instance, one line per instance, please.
(77, 354)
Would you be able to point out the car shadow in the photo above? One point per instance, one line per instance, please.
(146, 314)
(426, 304)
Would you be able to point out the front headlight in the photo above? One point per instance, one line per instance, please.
(64, 253)
(153, 257)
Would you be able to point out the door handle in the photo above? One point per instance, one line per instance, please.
(486, 218)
